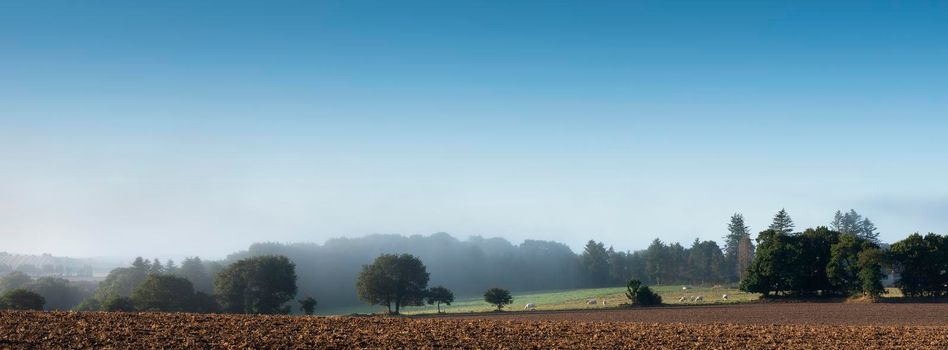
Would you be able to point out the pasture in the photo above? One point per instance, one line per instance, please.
(577, 299)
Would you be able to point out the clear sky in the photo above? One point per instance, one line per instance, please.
(199, 127)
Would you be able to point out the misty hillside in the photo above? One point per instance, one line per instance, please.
(328, 272)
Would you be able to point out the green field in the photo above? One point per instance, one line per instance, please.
(577, 299)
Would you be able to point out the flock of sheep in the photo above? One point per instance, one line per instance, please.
(683, 299)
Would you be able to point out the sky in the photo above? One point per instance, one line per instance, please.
(175, 128)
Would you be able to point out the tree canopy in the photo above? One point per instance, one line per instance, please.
(439, 295)
(21, 299)
(257, 285)
(393, 279)
(163, 292)
(498, 297)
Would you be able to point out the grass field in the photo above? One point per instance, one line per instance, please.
(577, 299)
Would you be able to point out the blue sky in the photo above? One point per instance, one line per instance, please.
(173, 128)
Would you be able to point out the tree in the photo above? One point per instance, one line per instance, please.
(89, 304)
(204, 303)
(595, 262)
(59, 293)
(308, 305)
(641, 295)
(870, 271)
(121, 281)
(843, 268)
(776, 266)
(498, 297)
(810, 268)
(853, 223)
(261, 285)
(855, 266)
(782, 222)
(156, 267)
(705, 263)
(922, 264)
(440, 295)
(163, 292)
(745, 255)
(399, 279)
(193, 269)
(655, 261)
(737, 230)
(21, 299)
(631, 290)
(14, 280)
(118, 304)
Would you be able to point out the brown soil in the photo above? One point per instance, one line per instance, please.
(57, 330)
(934, 314)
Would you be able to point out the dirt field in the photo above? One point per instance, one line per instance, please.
(556, 330)
(762, 314)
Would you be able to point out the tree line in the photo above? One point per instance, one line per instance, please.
(842, 259)
(845, 259)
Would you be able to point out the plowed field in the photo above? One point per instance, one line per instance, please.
(895, 314)
(156, 330)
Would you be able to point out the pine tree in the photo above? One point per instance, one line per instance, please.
(782, 222)
(737, 230)
(853, 223)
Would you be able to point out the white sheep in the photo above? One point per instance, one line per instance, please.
(591, 302)
(530, 306)
(603, 301)
(699, 298)
(724, 297)
(683, 299)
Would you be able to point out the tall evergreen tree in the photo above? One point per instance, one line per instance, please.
(737, 230)
(853, 223)
(595, 261)
(782, 222)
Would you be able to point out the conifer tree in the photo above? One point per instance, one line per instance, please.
(782, 222)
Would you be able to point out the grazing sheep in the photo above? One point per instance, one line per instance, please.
(603, 301)
(591, 302)
(530, 306)
(684, 287)
(683, 300)
(699, 298)
(724, 297)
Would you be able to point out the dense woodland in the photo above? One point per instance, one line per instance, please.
(842, 259)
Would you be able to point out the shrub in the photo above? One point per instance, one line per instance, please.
(641, 295)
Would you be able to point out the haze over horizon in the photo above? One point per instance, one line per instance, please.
(175, 128)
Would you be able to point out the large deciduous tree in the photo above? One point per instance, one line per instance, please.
(163, 292)
(257, 285)
(21, 299)
(393, 279)
(922, 264)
